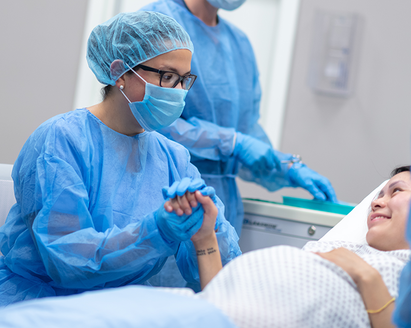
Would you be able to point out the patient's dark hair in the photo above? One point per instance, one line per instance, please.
(400, 169)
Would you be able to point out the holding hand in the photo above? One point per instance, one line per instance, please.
(176, 226)
(210, 216)
(179, 188)
(182, 216)
(204, 238)
(184, 205)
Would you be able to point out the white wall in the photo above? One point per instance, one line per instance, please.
(354, 141)
(38, 62)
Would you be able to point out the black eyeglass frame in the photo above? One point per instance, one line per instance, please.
(159, 71)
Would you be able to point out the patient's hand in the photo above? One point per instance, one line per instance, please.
(210, 216)
(371, 286)
(184, 204)
(351, 263)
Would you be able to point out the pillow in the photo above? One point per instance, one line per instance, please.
(353, 227)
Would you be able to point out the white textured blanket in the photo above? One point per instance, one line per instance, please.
(288, 287)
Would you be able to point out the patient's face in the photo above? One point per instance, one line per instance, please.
(389, 214)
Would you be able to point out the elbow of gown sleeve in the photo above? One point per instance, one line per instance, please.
(202, 138)
(86, 259)
(275, 179)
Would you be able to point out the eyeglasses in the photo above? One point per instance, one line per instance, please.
(170, 79)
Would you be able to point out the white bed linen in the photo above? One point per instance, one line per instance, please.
(285, 286)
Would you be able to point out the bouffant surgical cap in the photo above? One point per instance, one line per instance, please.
(129, 39)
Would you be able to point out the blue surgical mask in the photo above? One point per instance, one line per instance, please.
(159, 108)
(226, 4)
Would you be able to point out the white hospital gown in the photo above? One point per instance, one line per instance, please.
(285, 286)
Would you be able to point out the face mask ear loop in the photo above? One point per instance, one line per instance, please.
(136, 73)
(121, 90)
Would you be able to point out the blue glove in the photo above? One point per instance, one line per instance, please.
(174, 228)
(179, 188)
(255, 154)
(320, 187)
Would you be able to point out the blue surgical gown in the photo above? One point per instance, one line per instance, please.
(84, 217)
(402, 313)
(224, 99)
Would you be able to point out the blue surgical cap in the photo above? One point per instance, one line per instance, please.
(131, 39)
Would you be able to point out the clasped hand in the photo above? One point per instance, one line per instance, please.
(189, 206)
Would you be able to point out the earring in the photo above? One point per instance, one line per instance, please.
(121, 87)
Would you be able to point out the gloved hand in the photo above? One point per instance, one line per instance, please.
(179, 188)
(320, 187)
(255, 154)
(175, 228)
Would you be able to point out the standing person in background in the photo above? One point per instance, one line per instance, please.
(219, 125)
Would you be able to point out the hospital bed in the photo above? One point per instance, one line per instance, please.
(270, 224)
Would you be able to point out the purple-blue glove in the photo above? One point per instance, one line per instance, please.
(179, 188)
(320, 187)
(175, 228)
(255, 154)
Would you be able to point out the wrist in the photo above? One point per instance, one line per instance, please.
(292, 173)
(366, 278)
(205, 241)
(238, 139)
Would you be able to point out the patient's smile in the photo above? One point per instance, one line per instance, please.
(379, 217)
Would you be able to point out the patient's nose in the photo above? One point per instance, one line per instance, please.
(379, 202)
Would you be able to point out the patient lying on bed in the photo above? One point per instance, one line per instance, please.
(328, 284)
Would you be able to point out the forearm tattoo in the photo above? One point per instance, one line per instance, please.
(209, 251)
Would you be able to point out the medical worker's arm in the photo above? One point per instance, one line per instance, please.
(76, 254)
(205, 240)
(295, 175)
(370, 284)
(210, 141)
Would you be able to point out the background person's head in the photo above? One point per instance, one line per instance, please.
(389, 212)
